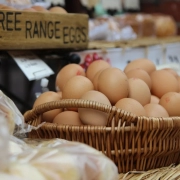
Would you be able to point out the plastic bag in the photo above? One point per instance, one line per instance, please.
(19, 4)
(59, 159)
(10, 113)
(4, 138)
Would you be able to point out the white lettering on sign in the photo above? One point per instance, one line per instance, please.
(30, 64)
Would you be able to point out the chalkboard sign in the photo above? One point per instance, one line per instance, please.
(37, 30)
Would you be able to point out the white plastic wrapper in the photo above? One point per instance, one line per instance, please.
(109, 30)
(60, 160)
(4, 138)
(19, 4)
(15, 120)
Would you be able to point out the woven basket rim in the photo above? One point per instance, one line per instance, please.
(34, 113)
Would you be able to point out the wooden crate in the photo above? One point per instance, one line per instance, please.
(39, 30)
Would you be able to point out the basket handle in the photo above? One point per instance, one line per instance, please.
(65, 103)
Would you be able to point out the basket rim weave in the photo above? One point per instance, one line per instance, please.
(168, 122)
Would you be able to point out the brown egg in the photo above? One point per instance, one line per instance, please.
(163, 82)
(139, 91)
(68, 118)
(7, 7)
(155, 110)
(91, 116)
(173, 72)
(29, 9)
(39, 8)
(95, 79)
(141, 74)
(178, 82)
(60, 93)
(132, 106)
(154, 99)
(113, 83)
(1, 5)
(57, 9)
(144, 64)
(171, 102)
(95, 67)
(76, 87)
(68, 72)
(48, 97)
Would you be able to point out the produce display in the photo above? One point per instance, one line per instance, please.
(139, 89)
(132, 26)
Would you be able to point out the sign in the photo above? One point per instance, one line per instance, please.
(156, 54)
(33, 67)
(172, 53)
(37, 30)
(131, 54)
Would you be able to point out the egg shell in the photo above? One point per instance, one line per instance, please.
(139, 91)
(144, 64)
(58, 9)
(113, 83)
(60, 93)
(48, 97)
(95, 67)
(178, 82)
(171, 102)
(154, 99)
(131, 106)
(67, 72)
(95, 79)
(76, 87)
(91, 116)
(29, 9)
(68, 118)
(163, 82)
(39, 8)
(173, 72)
(7, 7)
(140, 74)
(155, 110)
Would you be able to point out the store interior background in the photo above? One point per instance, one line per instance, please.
(14, 83)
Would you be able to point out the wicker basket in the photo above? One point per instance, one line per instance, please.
(132, 142)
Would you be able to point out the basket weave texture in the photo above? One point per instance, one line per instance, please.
(132, 142)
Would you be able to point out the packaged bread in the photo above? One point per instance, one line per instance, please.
(142, 24)
(165, 25)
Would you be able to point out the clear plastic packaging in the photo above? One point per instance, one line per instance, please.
(109, 29)
(59, 159)
(18, 4)
(10, 113)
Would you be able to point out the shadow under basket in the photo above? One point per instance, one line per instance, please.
(132, 142)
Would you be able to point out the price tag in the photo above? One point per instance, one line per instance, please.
(131, 54)
(114, 56)
(172, 53)
(109, 5)
(155, 54)
(33, 67)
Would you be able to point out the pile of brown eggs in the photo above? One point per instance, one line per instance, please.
(55, 9)
(139, 89)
